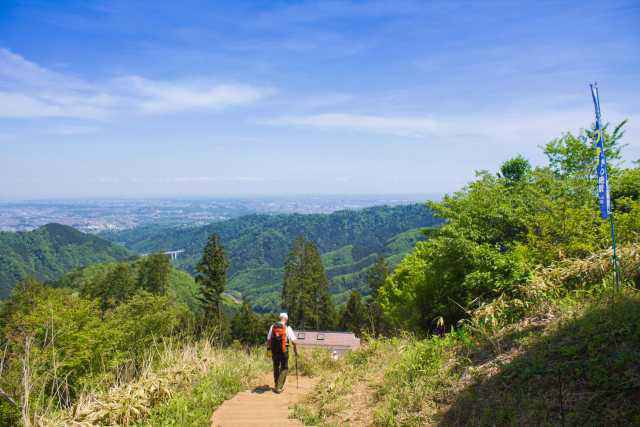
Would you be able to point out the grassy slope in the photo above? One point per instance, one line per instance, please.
(571, 359)
(49, 252)
(182, 385)
(580, 368)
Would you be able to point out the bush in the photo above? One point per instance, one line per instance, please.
(68, 344)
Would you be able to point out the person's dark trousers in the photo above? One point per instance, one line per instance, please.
(280, 369)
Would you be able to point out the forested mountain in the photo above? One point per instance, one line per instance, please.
(257, 245)
(50, 251)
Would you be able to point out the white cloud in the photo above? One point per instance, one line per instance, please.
(28, 90)
(154, 97)
(400, 126)
(504, 127)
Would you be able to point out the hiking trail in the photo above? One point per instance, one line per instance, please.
(260, 406)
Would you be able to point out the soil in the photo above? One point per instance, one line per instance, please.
(261, 406)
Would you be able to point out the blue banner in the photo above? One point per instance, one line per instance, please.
(603, 179)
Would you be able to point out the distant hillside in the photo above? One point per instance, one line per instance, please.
(50, 251)
(182, 286)
(257, 245)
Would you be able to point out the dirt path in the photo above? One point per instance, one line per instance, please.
(261, 406)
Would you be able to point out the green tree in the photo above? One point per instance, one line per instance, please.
(117, 286)
(133, 327)
(154, 273)
(293, 292)
(625, 188)
(354, 316)
(212, 278)
(245, 326)
(576, 156)
(515, 169)
(496, 233)
(305, 291)
(376, 277)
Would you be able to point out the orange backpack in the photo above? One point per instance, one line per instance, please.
(279, 338)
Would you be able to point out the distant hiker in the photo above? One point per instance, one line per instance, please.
(278, 342)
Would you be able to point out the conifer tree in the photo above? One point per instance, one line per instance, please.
(354, 316)
(293, 286)
(305, 291)
(322, 309)
(212, 278)
(375, 279)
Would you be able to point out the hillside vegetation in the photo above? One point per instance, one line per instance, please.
(508, 314)
(50, 251)
(569, 358)
(95, 279)
(257, 246)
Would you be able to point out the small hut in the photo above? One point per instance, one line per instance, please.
(337, 343)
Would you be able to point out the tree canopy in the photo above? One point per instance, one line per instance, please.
(500, 227)
(305, 291)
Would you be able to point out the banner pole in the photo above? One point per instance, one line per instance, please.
(616, 265)
(603, 184)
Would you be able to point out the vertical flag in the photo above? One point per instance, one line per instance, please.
(603, 179)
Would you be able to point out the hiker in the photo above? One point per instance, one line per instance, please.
(278, 339)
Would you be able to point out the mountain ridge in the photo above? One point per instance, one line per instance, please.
(258, 244)
(50, 251)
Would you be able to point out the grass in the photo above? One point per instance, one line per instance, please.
(580, 368)
(562, 350)
(182, 387)
(342, 383)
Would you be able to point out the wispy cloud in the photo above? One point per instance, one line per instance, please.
(401, 126)
(155, 97)
(28, 90)
(530, 127)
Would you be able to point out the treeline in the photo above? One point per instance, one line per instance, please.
(503, 226)
(49, 252)
(257, 246)
(305, 297)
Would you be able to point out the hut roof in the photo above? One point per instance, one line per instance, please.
(327, 339)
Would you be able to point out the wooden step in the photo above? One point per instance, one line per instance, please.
(261, 406)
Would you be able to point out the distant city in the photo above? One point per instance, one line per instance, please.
(96, 215)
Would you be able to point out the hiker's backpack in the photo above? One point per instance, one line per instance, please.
(278, 338)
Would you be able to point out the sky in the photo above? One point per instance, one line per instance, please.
(214, 98)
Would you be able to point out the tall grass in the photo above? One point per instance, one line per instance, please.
(181, 385)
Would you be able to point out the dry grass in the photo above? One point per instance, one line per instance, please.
(177, 369)
(346, 393)
(540, 296)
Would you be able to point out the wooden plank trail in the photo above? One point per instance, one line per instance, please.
(261, 406)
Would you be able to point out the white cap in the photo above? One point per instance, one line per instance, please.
(284, 316)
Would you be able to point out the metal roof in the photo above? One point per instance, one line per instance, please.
(327, 339)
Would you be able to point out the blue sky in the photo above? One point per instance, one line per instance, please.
(159, 98)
